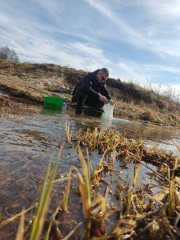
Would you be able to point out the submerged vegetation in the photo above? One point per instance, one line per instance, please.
(107, 196)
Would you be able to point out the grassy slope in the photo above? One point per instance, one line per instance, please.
(31, 81)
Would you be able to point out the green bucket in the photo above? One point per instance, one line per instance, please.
(53, 102)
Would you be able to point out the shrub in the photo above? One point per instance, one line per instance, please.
(7, 54)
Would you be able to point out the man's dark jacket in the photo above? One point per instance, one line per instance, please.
(91, 87)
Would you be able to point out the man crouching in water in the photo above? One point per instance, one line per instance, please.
(91, 91)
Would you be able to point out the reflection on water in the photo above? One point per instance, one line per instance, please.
(161, 136)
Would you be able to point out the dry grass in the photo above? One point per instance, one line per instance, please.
(146, 113)
(31, 81)
(123, 210)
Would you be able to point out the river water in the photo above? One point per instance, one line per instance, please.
(28, 141)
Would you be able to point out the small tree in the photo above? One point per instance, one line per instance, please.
(7, 54)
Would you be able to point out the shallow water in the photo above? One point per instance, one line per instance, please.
(27, 142)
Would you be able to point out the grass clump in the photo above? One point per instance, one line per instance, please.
(112, 204)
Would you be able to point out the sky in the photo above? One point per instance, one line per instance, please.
(137, 40)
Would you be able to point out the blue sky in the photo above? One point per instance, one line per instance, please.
(138, 40)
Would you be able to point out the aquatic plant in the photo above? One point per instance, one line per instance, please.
(112, 207)
(44, 200)
(68, 135)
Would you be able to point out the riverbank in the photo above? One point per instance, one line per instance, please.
(23, 85)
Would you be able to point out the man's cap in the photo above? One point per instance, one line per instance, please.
(106, 71)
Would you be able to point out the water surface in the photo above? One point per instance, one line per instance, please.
(28, 141)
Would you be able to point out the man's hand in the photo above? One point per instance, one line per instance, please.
(112, 102)
(102, 98)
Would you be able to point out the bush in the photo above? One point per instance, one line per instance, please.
(7, 54)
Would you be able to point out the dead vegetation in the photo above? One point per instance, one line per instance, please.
(32, 81)
(107, 203)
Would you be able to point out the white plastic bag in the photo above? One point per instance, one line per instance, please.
(108, 111)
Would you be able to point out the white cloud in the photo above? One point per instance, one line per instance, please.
(85, 48)
(149, 29)
(4, 19)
